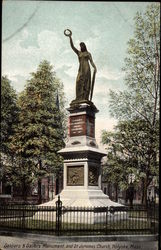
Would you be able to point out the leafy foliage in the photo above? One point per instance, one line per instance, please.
(137, 108)
(40, 131)
(9, 113)
(9, 119)
(141, 100)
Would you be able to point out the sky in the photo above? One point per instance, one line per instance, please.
(34, 30)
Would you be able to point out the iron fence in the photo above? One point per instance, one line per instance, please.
(60, 220)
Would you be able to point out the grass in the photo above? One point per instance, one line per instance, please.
(137, 214)
(138, 222)
(121, 227)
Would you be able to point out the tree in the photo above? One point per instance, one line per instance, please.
(9, 113)
(19, 173)
(139, 104)
(142, 71)
(40, 132)
(128, 148)
(9, 119)
(119, 164)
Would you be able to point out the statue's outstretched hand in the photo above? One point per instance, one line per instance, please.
(68, 32)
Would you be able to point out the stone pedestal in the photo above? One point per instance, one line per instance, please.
(82, 161)
(82, 170)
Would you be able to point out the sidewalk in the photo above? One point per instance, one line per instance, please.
(17, 240)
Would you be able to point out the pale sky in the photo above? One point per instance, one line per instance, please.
(34, 30)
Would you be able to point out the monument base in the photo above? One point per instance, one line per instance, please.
(82, 173)
(92, 198)
(80, 197)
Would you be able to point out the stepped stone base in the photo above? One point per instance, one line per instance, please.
(90, 198)
(76, 197)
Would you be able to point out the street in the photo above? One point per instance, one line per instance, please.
(41, 242)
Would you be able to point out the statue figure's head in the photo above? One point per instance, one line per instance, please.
(83, 47)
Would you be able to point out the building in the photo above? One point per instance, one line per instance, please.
(49, 188)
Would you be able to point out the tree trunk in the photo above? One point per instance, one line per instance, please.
(144, 198)
(39, 186)
(48, 187)
(39, 191)
(24, 192)
(116, 192)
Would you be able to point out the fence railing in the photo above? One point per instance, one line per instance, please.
(60, 220)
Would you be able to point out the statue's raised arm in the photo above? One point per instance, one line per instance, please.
(84, 85)
(69, 34)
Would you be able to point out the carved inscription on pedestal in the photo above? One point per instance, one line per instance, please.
(93, 176)
(75, 175)
(77, 125)
(82, 125)
(90, 126)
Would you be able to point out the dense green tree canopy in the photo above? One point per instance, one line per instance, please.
(137, 108)
(39, 134)
(142, 72)
(9, 119)
(9, 113)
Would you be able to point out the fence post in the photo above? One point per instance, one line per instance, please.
(151, 212)
(154, 218)
(23, 216)
(58, 215)
(106, 219)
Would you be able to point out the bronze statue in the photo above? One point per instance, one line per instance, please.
(84, 86)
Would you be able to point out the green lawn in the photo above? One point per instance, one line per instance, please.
(124, 226)
(138, 222)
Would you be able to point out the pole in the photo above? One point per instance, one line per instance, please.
(92, 87)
